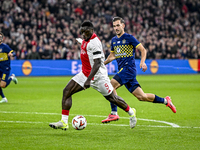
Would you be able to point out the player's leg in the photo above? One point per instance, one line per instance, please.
(71, 88)
(113, 116)
(123, 105)
(106, 89)
(140, 95)
(5, 81)
(4, 99)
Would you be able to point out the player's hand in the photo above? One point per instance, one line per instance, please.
(10, 54)
(79, 40)
(143, 66)
(87, 84)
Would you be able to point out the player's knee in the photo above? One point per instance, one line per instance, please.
(110, 97)
(141, 97)
(3, 85)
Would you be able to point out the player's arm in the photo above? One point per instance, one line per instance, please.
(79, 40)
(95, 68)
(143, 51)
(11, 54)
(110, 58)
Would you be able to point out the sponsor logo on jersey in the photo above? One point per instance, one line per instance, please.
(118, 50)
(123, 54)
(3, 56)
(118, 42)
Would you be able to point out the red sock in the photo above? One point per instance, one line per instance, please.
(127, 109)
(65, 112)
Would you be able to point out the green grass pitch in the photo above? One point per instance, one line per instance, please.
(36, 101)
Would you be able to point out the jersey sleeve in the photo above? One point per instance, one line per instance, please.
(79, 40)
(95, 49)
(134, 41)
(112, 48)
(8, 49)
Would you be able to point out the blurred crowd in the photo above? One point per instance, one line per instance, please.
(46, 29)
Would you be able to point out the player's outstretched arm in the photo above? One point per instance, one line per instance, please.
(143, 57)
(79, 40)
(110, 58)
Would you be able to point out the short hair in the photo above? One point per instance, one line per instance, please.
(1, 34)
(118, 18)
(87, 23)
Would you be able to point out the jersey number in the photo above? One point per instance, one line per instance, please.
(107, 87)
(4, 77)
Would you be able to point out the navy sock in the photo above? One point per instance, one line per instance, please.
(8, 81)
(158, 99)
(1, 93)
(113, 107)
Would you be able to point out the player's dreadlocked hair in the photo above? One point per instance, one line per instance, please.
(118, 18)
(87, 23)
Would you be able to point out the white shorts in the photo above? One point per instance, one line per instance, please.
(102, 85)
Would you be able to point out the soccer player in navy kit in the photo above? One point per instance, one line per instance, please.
(5, 53)
(123, 50)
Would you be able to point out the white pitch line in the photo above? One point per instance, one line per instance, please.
(119, 125)
(19, 121)
(38, 113)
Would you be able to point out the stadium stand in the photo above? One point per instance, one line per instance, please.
(167, 29)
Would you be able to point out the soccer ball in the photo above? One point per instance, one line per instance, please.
(79, 122)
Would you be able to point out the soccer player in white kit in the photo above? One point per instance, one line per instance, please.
(94, 74)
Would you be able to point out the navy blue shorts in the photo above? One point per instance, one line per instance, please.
(127, 77)
(4, 75)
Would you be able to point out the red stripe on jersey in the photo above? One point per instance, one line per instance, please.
(86, 66)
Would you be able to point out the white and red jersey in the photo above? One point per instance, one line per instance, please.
(90, 50)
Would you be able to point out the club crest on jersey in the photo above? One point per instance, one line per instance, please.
(123, 41)
(118, 50)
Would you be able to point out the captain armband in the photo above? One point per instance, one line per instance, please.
(97, 52)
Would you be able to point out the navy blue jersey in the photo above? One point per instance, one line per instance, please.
(4, 58)
(124, 49)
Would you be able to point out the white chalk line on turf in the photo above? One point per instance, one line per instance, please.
(30, 122)
(164, 122)
(151, 126)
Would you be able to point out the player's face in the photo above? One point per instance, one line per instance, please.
(1, 38)
(118, 27)
(86, 33)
